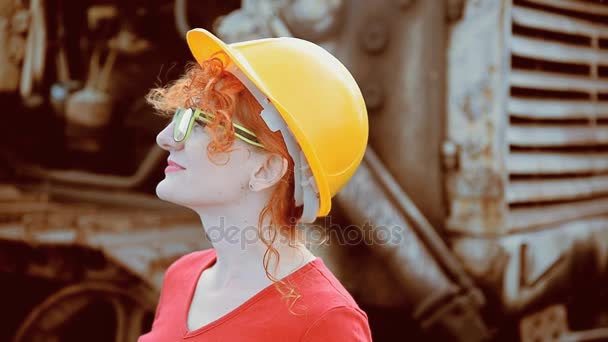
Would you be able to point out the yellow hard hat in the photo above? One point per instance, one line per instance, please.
(315, 94)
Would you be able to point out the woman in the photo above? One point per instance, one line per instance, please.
(263, 134)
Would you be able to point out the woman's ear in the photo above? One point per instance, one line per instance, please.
(269, 172)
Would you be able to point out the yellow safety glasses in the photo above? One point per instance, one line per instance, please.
(184, 119)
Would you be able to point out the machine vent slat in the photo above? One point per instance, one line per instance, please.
(536, 109)
(535, 164)
(556, 22)
(526, 217)
(551, 81)
(538, 135)
(547, 190)
(553, 51)
(558, 111)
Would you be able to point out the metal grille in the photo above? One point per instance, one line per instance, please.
(558, 112)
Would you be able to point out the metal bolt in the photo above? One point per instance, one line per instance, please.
(450, 153)
(373, 95)
(374, 36)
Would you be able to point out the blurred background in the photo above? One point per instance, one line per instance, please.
(486, 175)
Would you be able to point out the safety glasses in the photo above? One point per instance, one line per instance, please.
(184, 119)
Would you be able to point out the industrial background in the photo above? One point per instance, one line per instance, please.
(488, 157)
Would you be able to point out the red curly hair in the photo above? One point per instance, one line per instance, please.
(210, 87)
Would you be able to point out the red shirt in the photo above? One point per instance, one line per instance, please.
(330, 313)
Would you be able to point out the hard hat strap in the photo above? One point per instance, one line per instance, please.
(306, 192)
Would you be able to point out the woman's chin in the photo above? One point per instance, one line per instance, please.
(169, 193)
(164, 191)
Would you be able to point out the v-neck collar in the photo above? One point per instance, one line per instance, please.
(186, 333)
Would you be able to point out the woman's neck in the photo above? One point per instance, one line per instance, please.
(240, 251)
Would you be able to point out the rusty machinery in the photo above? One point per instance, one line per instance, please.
(483, 185)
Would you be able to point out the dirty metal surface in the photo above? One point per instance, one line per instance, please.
(551, 325)
(526, 121)
(145, 242)
(522, 269)
(477, 98)
(396, 50)
(437, 287)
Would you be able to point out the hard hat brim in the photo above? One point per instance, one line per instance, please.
(203, 44)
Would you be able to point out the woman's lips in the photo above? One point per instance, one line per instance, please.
(173, 167)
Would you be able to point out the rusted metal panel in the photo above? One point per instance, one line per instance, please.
(477, 103)
(538, 135)
(563, 82)
(554, 163)
(551, 109)
(525, 268)
(526, 191)
(557, 52)
(556, 22)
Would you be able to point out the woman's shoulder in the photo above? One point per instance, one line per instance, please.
(340, 323)
(323, 290)
(334, 313)
(192, 260)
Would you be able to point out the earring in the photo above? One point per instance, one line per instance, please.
(250, 186)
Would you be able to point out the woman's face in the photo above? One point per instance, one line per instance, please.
(197, 181)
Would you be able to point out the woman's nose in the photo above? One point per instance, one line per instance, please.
(164, 139)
